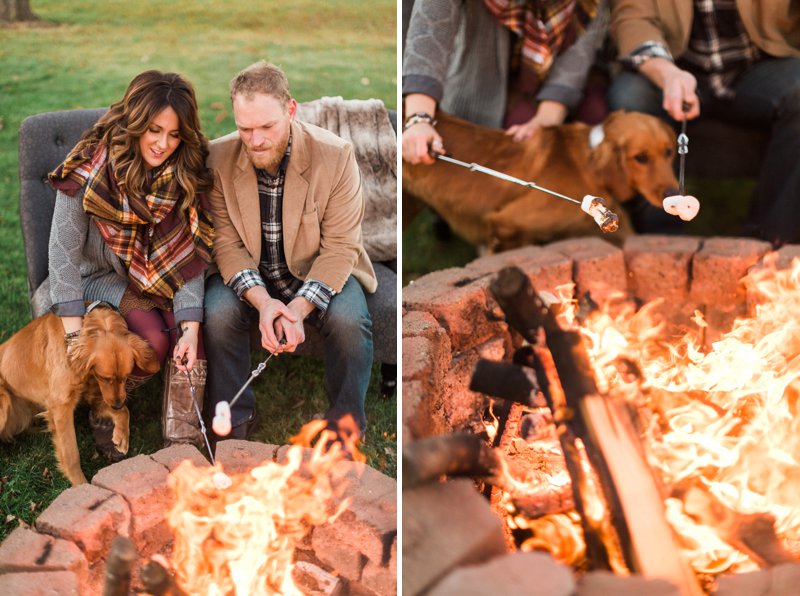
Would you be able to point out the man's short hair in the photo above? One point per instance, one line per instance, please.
(262, 77)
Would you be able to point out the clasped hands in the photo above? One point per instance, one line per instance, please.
(281, 325)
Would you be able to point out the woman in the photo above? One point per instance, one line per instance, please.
(130, 228)
(517, 64)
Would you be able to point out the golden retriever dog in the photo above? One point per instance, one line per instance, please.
(39, 377)
(633, 153)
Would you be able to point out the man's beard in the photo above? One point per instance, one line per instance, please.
(273, 159)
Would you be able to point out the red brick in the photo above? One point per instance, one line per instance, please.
(358, 535)
(458, 300)
(44, 583)
(598, 267)
(418, 401)
(25, 550)
(241, 456)
(417, 322)
(143, 483)
(546, 269)
(425, 360)
(460, 406)
(786, 255)
(719, 266)
(659, 266)
(171, 457)
(777, 581)
(446, 525)
(603, 583)
(89, 516)
(515, 573)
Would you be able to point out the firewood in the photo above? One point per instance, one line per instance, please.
(158, 581)
(633, 501)
(459, 454)
(121, 557)
(506, 380)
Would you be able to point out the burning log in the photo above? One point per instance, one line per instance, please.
(461, 454)
(752, 534)
(606, 431)
(506, 380)
(121, 557)
(158, 581)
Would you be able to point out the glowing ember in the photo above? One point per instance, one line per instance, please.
(241, 540)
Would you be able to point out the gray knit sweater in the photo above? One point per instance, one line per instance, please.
(458, 53)
(83, 268)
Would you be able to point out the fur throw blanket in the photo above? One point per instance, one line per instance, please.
(365, 123)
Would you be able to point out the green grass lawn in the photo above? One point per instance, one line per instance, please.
(83, 54)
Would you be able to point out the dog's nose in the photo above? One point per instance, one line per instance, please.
(119, 405)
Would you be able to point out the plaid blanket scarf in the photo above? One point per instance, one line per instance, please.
(543, 26)
(162, 246)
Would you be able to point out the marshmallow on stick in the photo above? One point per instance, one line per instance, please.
(684, 206)
(222, 419)
(596, 207)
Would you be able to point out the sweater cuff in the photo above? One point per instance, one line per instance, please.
(562, 94)
(72, 308)
(188, 314)
(423, 84)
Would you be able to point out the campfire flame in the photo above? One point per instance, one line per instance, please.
(241, 540)
(723, 420)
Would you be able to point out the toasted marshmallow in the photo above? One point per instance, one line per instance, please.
(684, 206)
(221, 480)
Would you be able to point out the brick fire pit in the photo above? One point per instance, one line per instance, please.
(65, 551)
(450, 321)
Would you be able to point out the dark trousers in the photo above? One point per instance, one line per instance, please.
(768, 96)
(346, 331)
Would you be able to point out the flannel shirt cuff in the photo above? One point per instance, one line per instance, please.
(649, 49)
(317, 293)
(244, 280)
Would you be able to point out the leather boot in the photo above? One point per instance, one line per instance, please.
(180, 417)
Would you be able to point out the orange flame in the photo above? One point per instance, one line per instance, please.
(241, 540)
(724, 417)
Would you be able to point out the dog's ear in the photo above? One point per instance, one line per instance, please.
(82, 355)
(143, 355)
(607, 162)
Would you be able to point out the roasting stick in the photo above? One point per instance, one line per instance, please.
(222, 414)
(594, 206)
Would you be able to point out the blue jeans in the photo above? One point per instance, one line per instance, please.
(767, 95)
(346, 331)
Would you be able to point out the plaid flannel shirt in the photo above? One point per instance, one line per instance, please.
(273, 271)
(719, 48)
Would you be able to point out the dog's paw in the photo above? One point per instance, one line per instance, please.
(120, 440)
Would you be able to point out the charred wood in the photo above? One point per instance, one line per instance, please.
(121, 558)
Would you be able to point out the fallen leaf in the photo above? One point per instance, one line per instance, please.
(298, 404)
(217, 105)
(221, 116)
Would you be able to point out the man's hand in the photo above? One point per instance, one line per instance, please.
(269, 314)
(293, 331)
(679, 87)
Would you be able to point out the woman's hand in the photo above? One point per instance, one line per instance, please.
(185, 352)
(549, 113)
(418, 142)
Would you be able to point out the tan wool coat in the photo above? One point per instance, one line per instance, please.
(772, 25)
(322, 209)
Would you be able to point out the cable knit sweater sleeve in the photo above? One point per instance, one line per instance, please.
(65, 253)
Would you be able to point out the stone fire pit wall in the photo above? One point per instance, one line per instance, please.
(65, 551)
(450, 319)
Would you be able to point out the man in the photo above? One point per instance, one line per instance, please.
(287, 210)
(737, 60)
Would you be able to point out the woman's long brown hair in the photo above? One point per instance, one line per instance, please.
(128, 119)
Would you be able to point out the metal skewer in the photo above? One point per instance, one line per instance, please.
(203, 430)
(473, 167)
(683, 147)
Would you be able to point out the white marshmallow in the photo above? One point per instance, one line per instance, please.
(221, 426)
(684, 206)
(221, 480)
(589, 204)
(223, 408)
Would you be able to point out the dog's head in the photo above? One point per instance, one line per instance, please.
(636, 155)
(108, 351)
